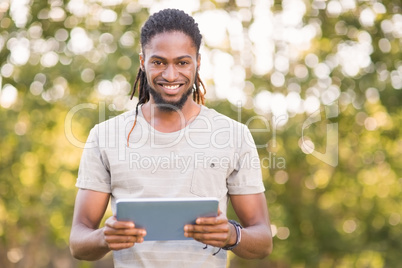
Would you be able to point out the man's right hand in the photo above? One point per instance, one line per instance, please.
(122, 234)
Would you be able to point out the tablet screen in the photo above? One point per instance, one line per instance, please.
(164, 218)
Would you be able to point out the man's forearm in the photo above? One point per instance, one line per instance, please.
(256, 243)
(87, 244)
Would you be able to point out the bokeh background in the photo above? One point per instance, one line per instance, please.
(319, 83)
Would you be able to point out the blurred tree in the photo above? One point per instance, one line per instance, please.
(273, 65)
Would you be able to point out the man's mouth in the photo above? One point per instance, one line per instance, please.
(171, 89)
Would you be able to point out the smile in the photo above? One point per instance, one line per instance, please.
(171, 87)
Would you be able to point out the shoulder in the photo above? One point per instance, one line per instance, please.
(219, 120)
(117, 120)
(114, 125)
(124, 117)
(225, 130)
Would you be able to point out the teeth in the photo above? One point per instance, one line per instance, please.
(171, 87)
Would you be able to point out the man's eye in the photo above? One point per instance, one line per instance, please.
(156, 62)
(182, 63)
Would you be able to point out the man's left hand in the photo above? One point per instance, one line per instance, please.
(213, 231)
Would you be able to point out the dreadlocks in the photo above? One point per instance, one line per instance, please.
(167, 20)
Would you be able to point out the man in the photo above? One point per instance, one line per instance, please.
(200, 152)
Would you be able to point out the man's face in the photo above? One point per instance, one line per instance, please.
(170, 62)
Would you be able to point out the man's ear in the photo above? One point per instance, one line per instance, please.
(141, 57)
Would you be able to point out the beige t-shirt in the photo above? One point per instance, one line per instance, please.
(213, 156)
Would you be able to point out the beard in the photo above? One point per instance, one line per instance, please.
(169, 106)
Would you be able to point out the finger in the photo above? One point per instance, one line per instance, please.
(114, 223)
(213, 239)
(119, 246)
(118, 239)
(122, 242)
(221, 228)
(212, 220)
(221, 218)
(124, 232)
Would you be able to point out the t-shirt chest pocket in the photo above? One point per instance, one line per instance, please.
(209, 177)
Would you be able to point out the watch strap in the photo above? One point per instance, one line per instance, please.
(238, 228)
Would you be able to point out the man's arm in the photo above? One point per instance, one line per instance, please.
(87, 241)
(256, 237)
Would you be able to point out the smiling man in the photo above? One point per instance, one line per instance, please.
(171, 122)
(172, 65)
(171, 62)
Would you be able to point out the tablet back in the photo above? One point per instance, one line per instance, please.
(164, 218)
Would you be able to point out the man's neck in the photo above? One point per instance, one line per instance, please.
(170, 121)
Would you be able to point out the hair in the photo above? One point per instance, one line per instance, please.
(167, 20)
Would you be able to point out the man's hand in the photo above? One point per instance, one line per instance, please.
(121, 234)
(214, 231)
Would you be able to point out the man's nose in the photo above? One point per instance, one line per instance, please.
(170, 73)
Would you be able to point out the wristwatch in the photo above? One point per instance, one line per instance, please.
(238, 228)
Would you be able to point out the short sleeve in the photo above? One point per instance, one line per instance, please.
(93, 173)
(246, 177)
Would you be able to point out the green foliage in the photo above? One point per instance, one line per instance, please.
(79, 66)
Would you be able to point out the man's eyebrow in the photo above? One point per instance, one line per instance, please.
(184, 57)
(157, 57)
(178, 58)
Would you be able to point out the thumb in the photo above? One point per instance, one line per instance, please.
(219, 211)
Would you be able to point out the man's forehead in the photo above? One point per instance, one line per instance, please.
(163, 37)
(170, 45)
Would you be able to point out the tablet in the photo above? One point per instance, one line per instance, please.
(164, 218)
